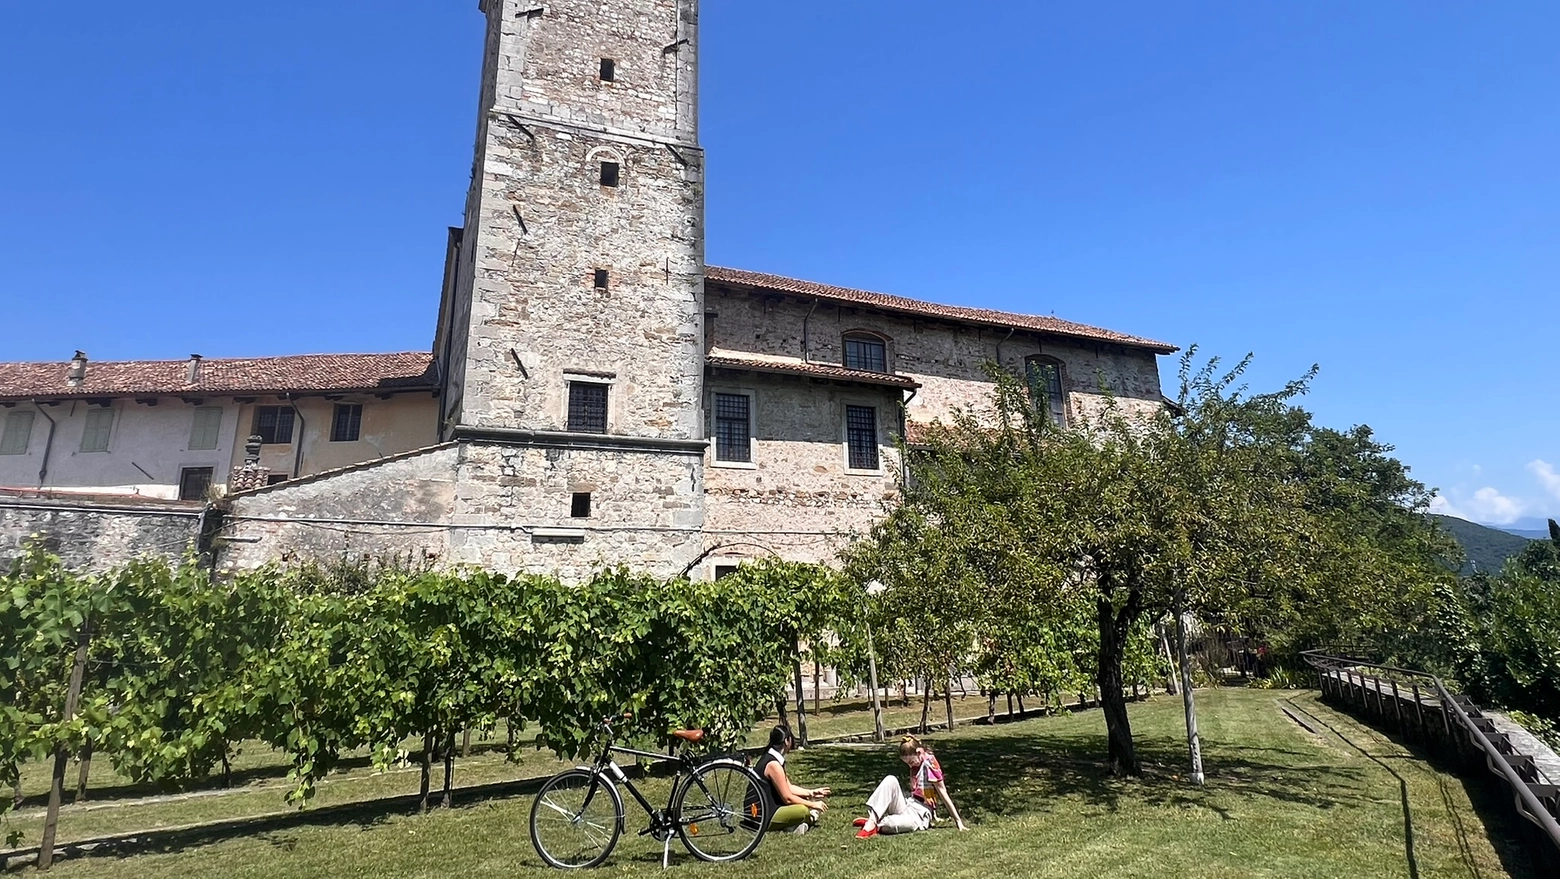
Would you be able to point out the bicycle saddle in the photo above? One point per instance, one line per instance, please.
(691, 736)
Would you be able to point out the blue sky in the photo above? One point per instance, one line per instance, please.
(1373, 187)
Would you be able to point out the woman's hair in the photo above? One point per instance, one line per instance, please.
(909, 745)
(779, 736)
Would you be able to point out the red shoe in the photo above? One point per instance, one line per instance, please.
(865, 833)
(859, 822)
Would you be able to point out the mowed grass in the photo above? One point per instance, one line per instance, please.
(1280, 802)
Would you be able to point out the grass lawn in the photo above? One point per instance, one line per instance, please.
(1280, 802)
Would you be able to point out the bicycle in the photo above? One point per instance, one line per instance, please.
(717, 807)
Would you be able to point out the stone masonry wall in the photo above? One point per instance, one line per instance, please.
(946, 358)
(537, 317)
(797, 498)
(95, 533)
(646, 510)
(350, 512)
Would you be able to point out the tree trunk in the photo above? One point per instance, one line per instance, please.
(1010, 704)
(227, 768)
(449, 768)
(1120, 752)
(465, 744)
(781, 710)
(991, 707)
(1020, 703)
(801, 706)
(948, 705)
(51, 819)
(1193, 742)
(427, 771)
(1164, 642)
(926, 708)
(81, 777)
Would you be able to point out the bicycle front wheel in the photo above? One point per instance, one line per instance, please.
(576, 819)
(720, 811)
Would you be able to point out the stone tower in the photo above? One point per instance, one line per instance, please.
(571, 330)
(579, 274)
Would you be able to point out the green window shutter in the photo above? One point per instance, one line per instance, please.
(100, 423)
(207, 430)
(18, 430)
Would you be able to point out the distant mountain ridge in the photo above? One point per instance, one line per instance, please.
(1530, 534)
(1486, 548)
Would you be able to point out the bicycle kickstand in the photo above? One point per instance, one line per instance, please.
(666, 853)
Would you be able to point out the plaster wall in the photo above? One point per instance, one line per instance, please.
(401, 423)
(148, 447)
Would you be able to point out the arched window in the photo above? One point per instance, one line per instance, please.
(1044, 375)
(866, 351)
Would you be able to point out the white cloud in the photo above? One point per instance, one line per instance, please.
(1547, 477)
(1486, 505)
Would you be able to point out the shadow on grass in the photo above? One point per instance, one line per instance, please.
(1015, 773)
(1504, 830)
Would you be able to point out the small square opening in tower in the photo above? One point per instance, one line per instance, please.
(579, 508)
(608, 70)
(610, 173)
(602, 279)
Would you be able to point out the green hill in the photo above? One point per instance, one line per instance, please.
(1488, 548)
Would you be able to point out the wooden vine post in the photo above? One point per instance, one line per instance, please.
(78, 673)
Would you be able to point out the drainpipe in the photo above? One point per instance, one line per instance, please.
(298, 440)
(1011, 331)
(806, 352)
(48, 445)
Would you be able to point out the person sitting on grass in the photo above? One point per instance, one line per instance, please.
(796, 808)
(888, 811)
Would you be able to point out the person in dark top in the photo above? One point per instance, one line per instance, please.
(797, 809)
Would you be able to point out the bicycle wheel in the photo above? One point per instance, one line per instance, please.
(576, 819)
(720, 811)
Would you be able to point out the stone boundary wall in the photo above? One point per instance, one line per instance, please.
(95, 533)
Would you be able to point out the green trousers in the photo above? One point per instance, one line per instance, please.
(787, 817)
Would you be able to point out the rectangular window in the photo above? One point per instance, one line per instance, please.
(602, 279)
(276, 478)
(733, 428)
(194, 483)
(1045, 389)
(18, 431)
(868, 355)
(587, 407)
(347, 423)
(609, 173)
(861, 437)
(206, 429)
(274, 424)
(579, 505)
(724, 571)
(608, 70)
(100, 423)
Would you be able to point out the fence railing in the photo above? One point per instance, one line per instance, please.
(1419, 704)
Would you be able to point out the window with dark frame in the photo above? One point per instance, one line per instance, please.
(602, 279)
(579, 505)
(611, 172)
(1044, 376)
(347, 423)
(608, 70)
(724, 571)
(733, 428)
(18, 432)
(861, 437)
(587, 407)
(194, 482)
(276, 478)
(866, 353)
(274, 424)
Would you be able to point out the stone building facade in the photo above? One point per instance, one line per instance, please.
(602, 397)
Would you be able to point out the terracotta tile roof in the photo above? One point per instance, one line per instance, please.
(816, 370)
(962, 314)
(305, 373)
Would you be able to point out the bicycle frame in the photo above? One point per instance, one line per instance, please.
(659, 820)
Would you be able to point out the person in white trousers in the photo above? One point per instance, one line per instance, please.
(890, 811)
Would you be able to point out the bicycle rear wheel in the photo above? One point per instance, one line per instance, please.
(576, 819)
(720, 811)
